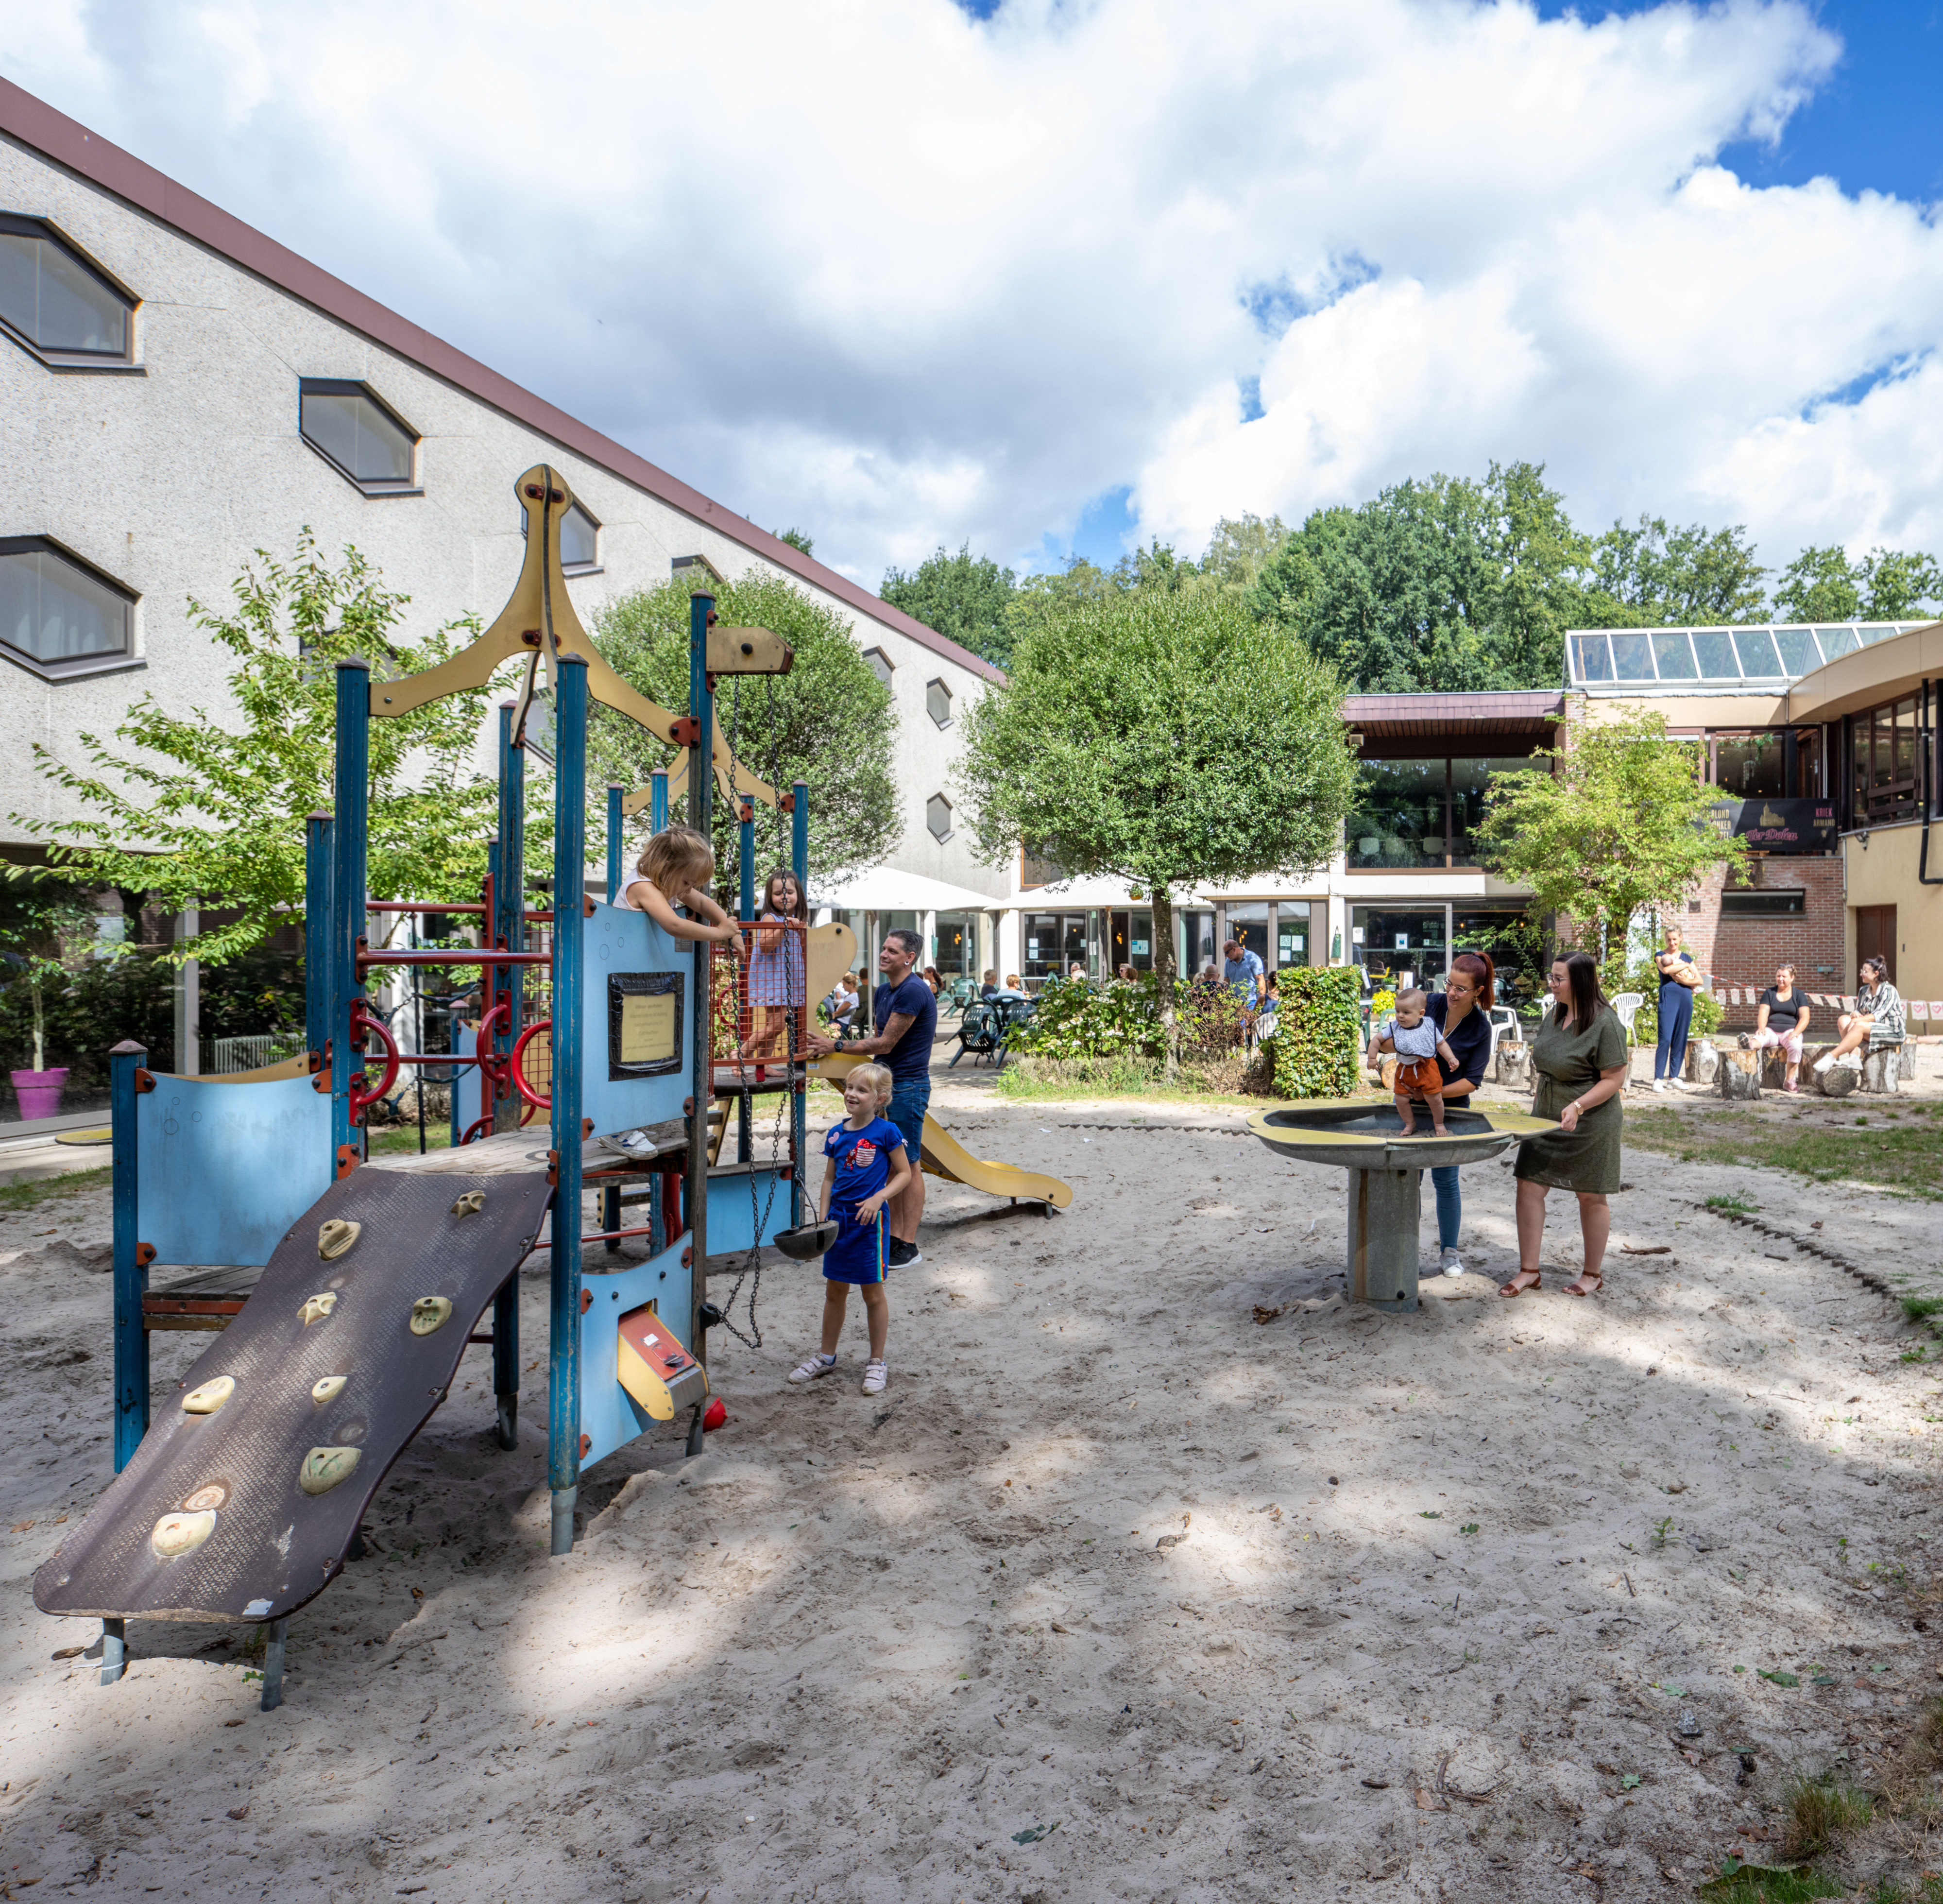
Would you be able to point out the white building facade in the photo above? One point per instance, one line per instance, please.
(178, 390)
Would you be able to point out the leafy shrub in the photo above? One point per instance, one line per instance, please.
(1317, 1042)
(1077, 1019)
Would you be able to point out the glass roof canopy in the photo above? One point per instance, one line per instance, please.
(1715, 660)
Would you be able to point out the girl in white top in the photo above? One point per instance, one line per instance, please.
(674, 870)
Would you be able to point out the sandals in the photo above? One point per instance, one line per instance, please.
(1585, 1277)
(1518, 1285)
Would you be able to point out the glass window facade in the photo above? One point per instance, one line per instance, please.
(1129, 940)
(1291, 934)
(1198, 938)
(954, 949)
(1399, 945)
(1889, 756)
(1054, 942)
(51, 298)
(1630, 657)
(56, 615)
(1424, 812)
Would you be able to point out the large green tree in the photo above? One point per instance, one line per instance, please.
(1887, 584)
(1440, 586)
(207, 809)
(1654, 574)
(1619, 823)
(1166, 738)
(829, 721)
(963, 597)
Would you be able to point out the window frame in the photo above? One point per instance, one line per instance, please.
(359, 387)
(567, 568)
(124, 363)
(943, 687)
(950, 814)
(79, 666)
(881, 665)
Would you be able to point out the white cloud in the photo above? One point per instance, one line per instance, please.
(897, 278)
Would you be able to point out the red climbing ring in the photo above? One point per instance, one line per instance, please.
(490, 1062)
(363, 1022)
(519, 1083)
(479, 1128)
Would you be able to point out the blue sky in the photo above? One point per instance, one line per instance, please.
(1082, 272)
(1873, 125)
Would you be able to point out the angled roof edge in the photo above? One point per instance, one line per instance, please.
(69, 144)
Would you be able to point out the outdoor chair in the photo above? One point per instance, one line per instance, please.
(1624, 1007)
(979, 1032)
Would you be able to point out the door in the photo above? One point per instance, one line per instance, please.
(1875, 937)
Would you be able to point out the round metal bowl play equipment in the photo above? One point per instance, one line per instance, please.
(807, 1241)
(1387, 1175)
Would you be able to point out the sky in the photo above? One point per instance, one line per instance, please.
(1049, 276)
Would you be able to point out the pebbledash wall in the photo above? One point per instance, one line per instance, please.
(156, 473)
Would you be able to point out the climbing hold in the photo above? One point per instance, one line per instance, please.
(323, 1468)
(177, 1534)
(337, 1235)
(470, 1205)
(212, 1494)
(316, 1308)
(210, 1396)
(327, 1389)
(431, 1314)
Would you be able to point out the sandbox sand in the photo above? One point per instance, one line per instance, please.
(1119, 1592)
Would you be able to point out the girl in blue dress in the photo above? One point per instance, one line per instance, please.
(864, 1166)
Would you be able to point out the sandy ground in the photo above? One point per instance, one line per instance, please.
(1119, 1592)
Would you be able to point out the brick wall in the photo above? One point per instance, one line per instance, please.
(1746, 951)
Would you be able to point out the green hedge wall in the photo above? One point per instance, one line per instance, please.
(1318, 1036)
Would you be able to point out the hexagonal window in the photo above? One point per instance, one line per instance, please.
(938, 816)
(881, 664)
(937, 702)
(58, 615)
(61, 305)
(362, 439)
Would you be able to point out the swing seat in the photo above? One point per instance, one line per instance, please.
(807, 1241)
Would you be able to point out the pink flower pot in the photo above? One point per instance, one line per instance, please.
(39, 1091)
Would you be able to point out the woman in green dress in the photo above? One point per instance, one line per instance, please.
(1580, 1054)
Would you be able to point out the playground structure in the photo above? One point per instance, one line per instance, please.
(1386, 1171)
(345, 1290)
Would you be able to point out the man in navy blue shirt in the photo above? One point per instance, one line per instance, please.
(905, 1011)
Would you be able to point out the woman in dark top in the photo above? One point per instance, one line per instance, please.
(1580, 1054)
(1782, 1018)
(1462, 1012)
(1679, 978)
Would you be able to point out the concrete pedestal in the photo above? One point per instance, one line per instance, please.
(1385, 1214)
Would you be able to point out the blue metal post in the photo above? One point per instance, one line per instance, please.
(317, 940)
(614, 842)
(509, 905)
(347, 911)
(131, 1275)
(570, 863)
(701, 788)
(745, 855)
(799, 1084)
(658, 801)
(455, 1027)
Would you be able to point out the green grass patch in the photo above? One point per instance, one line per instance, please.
(47, 1189)
(1213, 1084)
(1740, 1884)
(397, 1140)
(1907, 1157)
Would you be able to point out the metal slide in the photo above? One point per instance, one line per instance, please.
(945, 1156)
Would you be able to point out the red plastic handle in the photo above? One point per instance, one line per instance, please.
(362, 1022)
(490, 1063)
(519, 1083)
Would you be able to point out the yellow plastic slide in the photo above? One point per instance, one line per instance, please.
(945, 1156)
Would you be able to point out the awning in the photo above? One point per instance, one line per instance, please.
(884, 889)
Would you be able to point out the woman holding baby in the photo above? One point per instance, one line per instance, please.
(1580, 1054)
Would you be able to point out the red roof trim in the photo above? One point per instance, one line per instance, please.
(52, 133)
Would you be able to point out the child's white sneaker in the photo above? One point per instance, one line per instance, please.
(811, 1366)
(1821, 1065)
(875, 1376)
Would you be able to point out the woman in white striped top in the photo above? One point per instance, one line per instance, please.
(1878, 1019)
